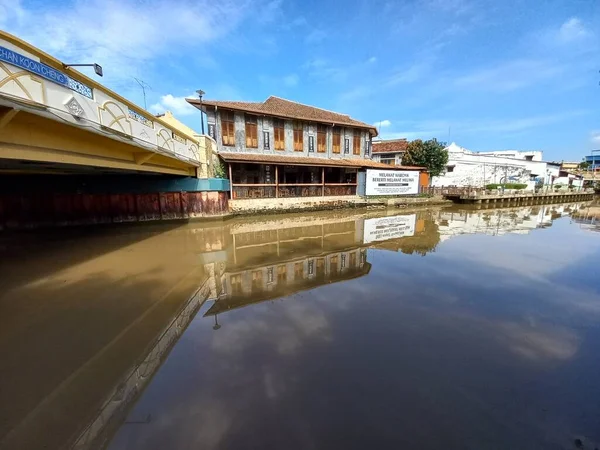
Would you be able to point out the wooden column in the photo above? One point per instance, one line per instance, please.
(230, 183)
(277, 192)
(322, 181)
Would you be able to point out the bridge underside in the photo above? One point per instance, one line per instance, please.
(31, 144)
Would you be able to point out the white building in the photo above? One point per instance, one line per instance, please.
(467, 168)
(534, 155)
(497, 222)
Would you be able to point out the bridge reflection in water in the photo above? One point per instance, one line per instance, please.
(125, 327)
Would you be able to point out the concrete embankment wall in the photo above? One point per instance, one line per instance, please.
(295, 204)
(46, 201)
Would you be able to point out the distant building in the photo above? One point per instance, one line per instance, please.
(569, 165)
(389, 151)
(467, 168)
(594, 160)
(534, 155)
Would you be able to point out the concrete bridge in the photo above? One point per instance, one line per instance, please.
(55, 121)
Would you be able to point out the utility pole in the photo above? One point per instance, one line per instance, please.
(143, 85)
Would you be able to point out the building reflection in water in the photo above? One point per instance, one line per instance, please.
(588, 217)
(246, 261)
(273, 259)
(496, 222)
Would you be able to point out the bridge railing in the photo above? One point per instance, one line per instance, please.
(32, 81)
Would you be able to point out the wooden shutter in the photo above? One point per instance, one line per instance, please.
(321, 138)
(356, 143)
(298, 137)
(279, 132)
(251, 132)
(336, 140)
(227, 128)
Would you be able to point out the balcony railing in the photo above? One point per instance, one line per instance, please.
(249, 191)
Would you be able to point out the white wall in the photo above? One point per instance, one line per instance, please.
(104, 113)
(534, 155)
(478, 169)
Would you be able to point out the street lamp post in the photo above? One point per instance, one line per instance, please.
(200, 93)
(97, 67)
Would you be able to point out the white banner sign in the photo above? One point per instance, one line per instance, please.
(392, 182)
(385, 228)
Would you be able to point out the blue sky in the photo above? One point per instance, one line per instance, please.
(486, 74)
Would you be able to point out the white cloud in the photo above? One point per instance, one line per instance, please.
(382, 124)
(509, 76)
(124, 37)
(324, 69)
(353, 95)
(177, 105)
(410, 74)
(275, 83)
(519, 124)
(572, 30)
(457, 7)
(372, 60)
(299, 22)
(291, 80)
(315, 36)
(440, 128)
(270, 12)
(595, 137)
(11, 10)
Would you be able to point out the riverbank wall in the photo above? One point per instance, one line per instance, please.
(41, 202)
(285, 205)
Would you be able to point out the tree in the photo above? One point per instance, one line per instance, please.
(431, 154)
(583, 165)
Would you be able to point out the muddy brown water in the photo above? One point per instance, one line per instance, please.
(439, 328)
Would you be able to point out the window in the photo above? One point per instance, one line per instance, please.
(279, 134)
(333, 264)
(227, 128)
(236, 284)
(356, 143)
(281, 273)
(389, 161)
(251, 132)
(367, 147)
(257, 280)
(449, 169)
(298, 270)
(320, 267)
(298, 137)
(528, 157)
(321, 138)
(336, 140)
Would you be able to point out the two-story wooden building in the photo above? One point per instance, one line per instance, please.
(280, 148)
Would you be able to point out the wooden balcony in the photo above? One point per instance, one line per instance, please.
(241, 191)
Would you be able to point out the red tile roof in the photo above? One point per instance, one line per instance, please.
(390, 146)
(279, 107)
(309, 161)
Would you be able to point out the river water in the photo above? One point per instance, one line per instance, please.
(443, 328)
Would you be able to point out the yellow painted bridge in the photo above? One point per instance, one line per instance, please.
(54, 119)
